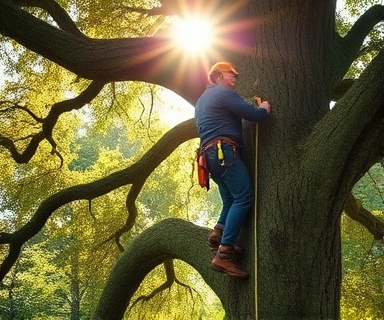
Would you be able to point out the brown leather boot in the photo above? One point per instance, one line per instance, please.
(224, 262)
(214, 241)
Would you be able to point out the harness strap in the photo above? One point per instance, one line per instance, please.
(214, 142)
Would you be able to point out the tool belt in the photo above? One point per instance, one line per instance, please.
(225, 139)
(202, 171)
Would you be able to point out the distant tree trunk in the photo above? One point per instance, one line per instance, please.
(75, 297)
(75, 302)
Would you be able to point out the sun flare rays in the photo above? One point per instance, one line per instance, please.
(199, 37)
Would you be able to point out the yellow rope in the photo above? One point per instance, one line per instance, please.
(255, 217)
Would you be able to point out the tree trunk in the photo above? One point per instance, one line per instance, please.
(298, 232)
(298, 216)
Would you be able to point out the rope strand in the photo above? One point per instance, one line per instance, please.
(255, 216)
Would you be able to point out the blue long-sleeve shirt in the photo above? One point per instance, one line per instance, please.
(219, 112)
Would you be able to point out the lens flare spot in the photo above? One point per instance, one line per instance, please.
(193, 35)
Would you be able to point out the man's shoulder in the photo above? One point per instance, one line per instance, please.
(221, 91)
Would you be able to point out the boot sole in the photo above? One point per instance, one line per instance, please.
(231, 274)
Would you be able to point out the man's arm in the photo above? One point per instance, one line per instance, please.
(243, 109)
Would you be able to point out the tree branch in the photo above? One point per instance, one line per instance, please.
(351, 128)
(348, 48)
(49, 122)
(151, 59)
(18, 107)
(58, 14)
(357, 212)
(170, 280)
(360, 30)
(134, 175)
(161, 242)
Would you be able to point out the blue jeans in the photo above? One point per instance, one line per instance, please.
(235, 189)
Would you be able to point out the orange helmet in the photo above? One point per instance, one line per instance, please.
(223, 67)
(220, 67)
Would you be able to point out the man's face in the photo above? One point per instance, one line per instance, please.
(227, 79)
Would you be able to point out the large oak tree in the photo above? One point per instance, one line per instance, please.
(308, 156)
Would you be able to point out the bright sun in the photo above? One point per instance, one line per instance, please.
(193, 35)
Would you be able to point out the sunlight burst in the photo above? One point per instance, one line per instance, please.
(193, 35)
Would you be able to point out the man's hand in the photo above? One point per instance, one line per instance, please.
(263, 104)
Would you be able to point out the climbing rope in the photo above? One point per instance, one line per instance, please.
(255, 216)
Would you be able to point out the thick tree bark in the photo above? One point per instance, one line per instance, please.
(306, 154)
